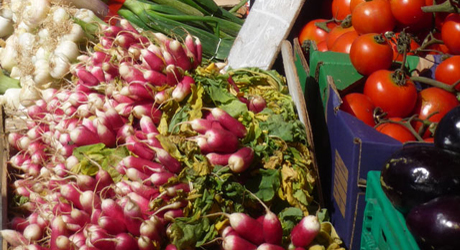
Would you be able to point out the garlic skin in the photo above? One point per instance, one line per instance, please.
(35, 12)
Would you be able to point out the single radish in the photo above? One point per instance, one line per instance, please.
(100, 239)
(125, 241)
(112, 209)
(58, 227)
(111, 225)
(90, 200)
(171, 247)
(219, 141)
(63, 242)
(271, 225)
(78, 239)
(173, 74)
(82, 136)
(156, 78)
(305, 231)
(183, 88)
(153, 61)
(268, 246)
(246, 227)
(241, 159)
(151, 230)
(139, 148)
(179, 54)
(168, 161)
(257, 103)
(218, 159)
(33, 232)
(229, 122)
(144, 243)
(144, 165)
(147, 125)
(234, 242)
(14, 238)
(133, 217)
(161, 178)
(148, 192)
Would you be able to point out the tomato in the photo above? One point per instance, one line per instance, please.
(432, 104)
(396, 99)
(450, 33)
(343, 42)
(370, 52)
(335, 33)
(373, 17)
(354, 3)
(360, 106)
(321, 46)
(312, 32)
(448, 71)
(394, 45)
(396, 131)
(340, 9)
(408, 12)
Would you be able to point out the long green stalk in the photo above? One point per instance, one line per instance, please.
(183, 7)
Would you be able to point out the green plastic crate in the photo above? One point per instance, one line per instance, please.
(384, 227)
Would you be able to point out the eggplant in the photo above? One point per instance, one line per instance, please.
(447, 132)
(436, 223)
(416, 174)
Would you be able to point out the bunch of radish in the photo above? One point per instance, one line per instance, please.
(219, 137)
(113, 102)
(266, 232)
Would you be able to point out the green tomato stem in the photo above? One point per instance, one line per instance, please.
(449, 6)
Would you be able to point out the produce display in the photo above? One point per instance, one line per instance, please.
(422, 182)
(379, 35)
(149, 144)
(418, 106)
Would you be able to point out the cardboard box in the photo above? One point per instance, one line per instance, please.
(346, 148)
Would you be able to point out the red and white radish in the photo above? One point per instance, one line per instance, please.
(305, 231)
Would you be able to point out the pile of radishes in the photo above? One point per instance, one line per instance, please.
(118, 97)
(113, 102)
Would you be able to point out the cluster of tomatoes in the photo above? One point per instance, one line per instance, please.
(378, 35)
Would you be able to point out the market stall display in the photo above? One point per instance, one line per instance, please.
(150, 144)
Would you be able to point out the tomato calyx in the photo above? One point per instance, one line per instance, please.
(399, 76)
(451, 6)
(323, 25)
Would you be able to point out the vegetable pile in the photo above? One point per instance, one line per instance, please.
(148, 147)
(422, 182)
(379, 36)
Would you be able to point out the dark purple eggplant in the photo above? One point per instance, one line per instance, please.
(436, 223)
(447, 133)
(416, 174)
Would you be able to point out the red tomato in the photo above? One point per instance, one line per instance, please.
(370, 52)
(360, 106)
(450, 33)
(344, 42)
(335, 33)
(340, 9)
(322, 46)
(312, 32)
(395, 99)
(408, 12)
(432, 104)
(394, 45)
(396, 131)
(448, 71)
(354, 3)
(373, 17)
